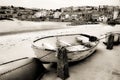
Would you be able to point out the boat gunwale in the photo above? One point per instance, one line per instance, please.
(33, 45)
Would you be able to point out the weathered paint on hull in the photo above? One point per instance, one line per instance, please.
(50, 56)
(74, 56)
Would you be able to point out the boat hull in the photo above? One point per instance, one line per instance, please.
(50, 56)
(74, 56)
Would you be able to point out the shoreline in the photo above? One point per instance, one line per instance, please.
(19, 27)
(16, 27)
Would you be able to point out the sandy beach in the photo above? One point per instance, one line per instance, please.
(17, 26)
(102, 65)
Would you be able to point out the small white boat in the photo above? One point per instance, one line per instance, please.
(78, 47)
(116, 35)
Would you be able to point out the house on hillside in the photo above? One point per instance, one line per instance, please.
(41, 15)
(56, 15)
(95, 16)
(65, 16)
(6, 13)
(86, 16)
(103, 19)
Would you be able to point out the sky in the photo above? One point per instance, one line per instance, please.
(54, 4)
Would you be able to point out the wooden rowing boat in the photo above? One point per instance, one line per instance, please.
(78, 47)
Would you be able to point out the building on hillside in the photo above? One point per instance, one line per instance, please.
(103, 19)
(74, 17)
(42, 13)
(95, 16)
(65, 16)
(6, 13)
(56, 15)
(86, 16)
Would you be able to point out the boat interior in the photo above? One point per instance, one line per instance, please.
(71, 42)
